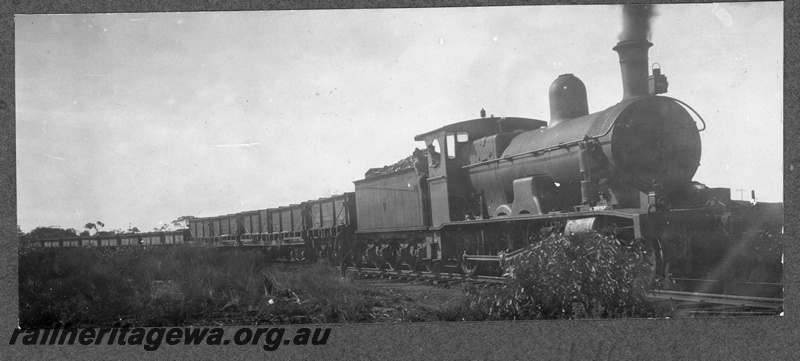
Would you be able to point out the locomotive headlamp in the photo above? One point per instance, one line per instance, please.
(657, 83)
(663, 204)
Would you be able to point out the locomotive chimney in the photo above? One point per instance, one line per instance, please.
(632, 50)
(633, 63)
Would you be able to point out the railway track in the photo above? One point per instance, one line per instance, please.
(437, 278)
(683, 304)
(708, 304)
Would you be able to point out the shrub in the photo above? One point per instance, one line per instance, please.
(171, 286)
(580, 276)
(319, 293)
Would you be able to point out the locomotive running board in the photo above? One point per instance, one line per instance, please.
(502, 257)
(629, 213)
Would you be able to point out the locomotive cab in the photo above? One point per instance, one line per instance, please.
(450, 148)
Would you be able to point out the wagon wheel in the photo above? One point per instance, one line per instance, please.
(468, 267)
(656, 255)
(492, 269)
(413, 263)
(391, 258)
(411, 257)
(611, 229)
(332, 256)
(373, 258)
(432, 266)
(358, 261)
(512, 238)
(393, 265)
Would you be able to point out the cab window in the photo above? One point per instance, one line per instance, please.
(450, 140)
(434, 153)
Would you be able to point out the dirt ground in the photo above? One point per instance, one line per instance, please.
(400, 301)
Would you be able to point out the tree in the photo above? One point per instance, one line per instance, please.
(183, 221)
(22, 236)
(330, 192)
(96, 226)
(40, 233)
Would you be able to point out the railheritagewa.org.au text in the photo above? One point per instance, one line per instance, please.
(270, 338)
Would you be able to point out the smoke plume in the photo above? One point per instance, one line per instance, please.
(636, 21)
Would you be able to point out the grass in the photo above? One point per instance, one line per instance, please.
(194, 285)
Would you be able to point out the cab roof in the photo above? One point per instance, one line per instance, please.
(482, 127)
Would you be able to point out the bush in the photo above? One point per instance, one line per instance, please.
(581, 276)
(563, 277)
(174, 286)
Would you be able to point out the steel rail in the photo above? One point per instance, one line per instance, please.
(731, 303)
(428, 276)
(717, 299)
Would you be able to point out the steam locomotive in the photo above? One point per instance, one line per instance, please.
(484, 190)
(494, 186)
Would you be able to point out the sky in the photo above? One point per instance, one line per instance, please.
(138, 119)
